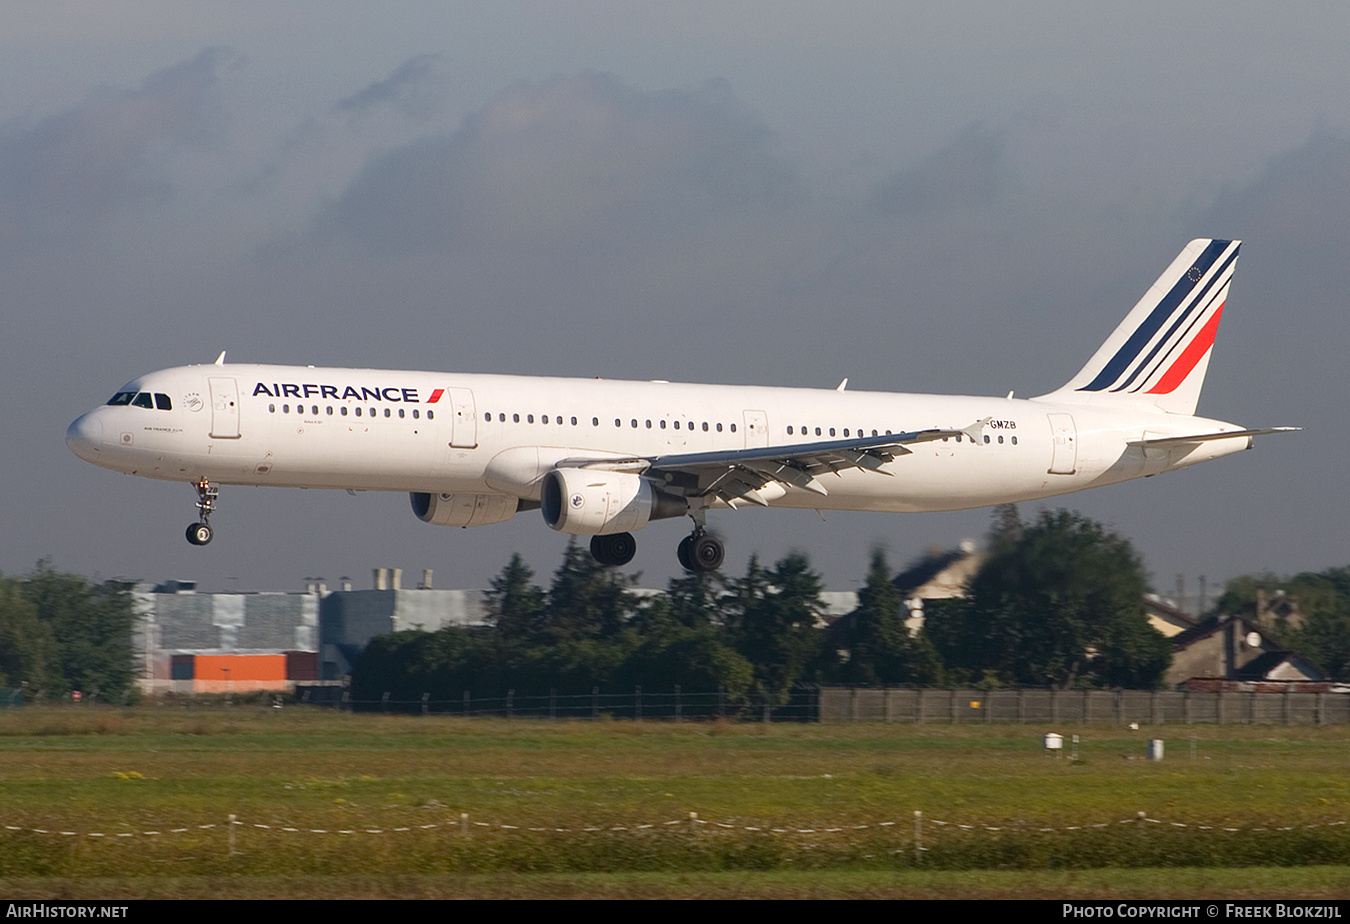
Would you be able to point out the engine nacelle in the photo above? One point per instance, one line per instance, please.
(584, 502)
(463, 509)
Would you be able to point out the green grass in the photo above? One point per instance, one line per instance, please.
(115, 772)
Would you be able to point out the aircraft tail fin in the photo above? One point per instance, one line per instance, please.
(1160, 352)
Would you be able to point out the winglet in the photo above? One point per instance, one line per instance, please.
(220, 360)
(975, 430)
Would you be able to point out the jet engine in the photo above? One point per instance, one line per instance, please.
(591, 503)
(463, 509)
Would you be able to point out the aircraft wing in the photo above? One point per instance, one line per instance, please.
(742, 474)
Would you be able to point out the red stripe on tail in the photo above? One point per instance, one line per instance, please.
(1194, 352)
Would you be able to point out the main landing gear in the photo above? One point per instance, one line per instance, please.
(701, 552)
(698, 551)
(200, 533)
(614, 549)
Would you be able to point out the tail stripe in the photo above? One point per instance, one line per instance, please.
(1218, 282)
(1167, 306)
(1197, 348)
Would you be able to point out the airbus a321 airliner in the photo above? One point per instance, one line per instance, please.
(603, 458)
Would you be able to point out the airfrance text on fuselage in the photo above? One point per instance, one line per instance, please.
(393, 393)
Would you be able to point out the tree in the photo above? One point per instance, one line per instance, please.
(517, 605)
(772, 621)
(880, 648)
(91, 628)
(1063, 605)
(587, 600)
(27, 649)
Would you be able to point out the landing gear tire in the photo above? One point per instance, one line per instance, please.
(199, 533)
(707, 553)
(701, 552)
(614, 550)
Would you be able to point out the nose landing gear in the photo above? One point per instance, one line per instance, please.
(200, 533)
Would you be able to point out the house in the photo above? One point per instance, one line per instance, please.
(1237, 649)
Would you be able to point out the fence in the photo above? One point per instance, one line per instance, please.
(633, 704)
(1084, 707)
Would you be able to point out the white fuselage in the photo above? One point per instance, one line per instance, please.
(443, 433)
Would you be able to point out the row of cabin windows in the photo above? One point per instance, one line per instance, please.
(342, 411)
(689, 425)
(832, 431)
(157, 401)
(986, 439)
(805, 431)
(618, 422)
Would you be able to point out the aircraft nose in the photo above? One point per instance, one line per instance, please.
(85, 436)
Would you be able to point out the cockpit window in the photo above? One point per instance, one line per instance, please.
(142, 400)
(163, 403)
(121, 398)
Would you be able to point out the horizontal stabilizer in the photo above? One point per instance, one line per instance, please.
(1206, 437)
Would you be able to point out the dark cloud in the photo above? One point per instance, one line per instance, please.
(1300, 203)
(402, 90)
(59, 173)
(580, 160)
(973, 170)
(1294, 220)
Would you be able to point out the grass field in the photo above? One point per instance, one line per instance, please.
(386, 806)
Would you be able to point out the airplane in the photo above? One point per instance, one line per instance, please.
(603, 458)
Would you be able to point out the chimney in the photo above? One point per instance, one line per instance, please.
(426, 580)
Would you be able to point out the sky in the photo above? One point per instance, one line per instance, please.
(923, 197)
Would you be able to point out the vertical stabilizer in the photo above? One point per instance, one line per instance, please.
(1159, 353)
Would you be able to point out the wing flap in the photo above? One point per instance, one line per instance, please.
(744, 474)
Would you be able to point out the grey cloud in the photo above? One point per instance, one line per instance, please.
(1300, 203)
(972, 170)
(1294, 219)
(401, 90)
(583, 160)
(61, 172)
